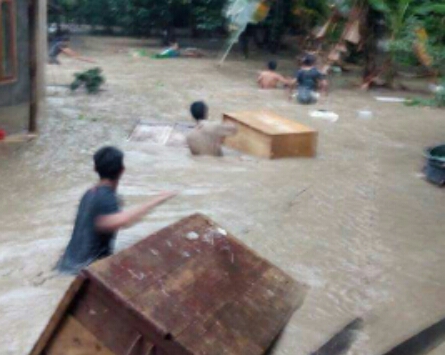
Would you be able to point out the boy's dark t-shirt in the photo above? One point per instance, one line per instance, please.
(309, 79)
(56, 49)
(87, 244)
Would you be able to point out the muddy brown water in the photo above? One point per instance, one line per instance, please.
(367, 234)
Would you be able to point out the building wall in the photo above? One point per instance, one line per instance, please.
(15, 98)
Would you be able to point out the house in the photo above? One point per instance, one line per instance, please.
(23, 52)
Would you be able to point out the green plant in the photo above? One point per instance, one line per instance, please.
(92, 80)
(437, 101)
(402, 18)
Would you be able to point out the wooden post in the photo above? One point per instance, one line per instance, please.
(33, 21)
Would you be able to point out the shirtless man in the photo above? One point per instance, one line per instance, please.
(61, 46)
(207, 137)
(269, 79)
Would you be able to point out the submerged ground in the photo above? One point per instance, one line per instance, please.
(357, 224)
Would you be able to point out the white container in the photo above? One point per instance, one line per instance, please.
(365, 114)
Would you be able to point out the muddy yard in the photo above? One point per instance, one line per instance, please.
(357, 224)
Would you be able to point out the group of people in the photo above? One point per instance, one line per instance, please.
(309, 82)
(99, 216)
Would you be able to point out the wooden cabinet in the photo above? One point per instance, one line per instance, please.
(191, 288)
(267, 135)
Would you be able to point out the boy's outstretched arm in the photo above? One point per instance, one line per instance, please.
(116, 221)
(70, 53)
(286, 81)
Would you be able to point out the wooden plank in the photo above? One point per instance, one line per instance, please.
(18, 138)
(301, 145)
(249, 323)
(58, 315)
(267, 135)
(268, 122)
(96, 308)
(73, 339)
(191, 294)
(33, 22)
(136, 269)
(151, 331)
(191, 288)
(248, 140)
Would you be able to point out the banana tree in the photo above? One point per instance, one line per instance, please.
(399, 14)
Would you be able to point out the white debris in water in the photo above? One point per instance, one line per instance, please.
(390, 99)
(365, 114)
(154, 252)
(324, 115)
(192, 236)
(222, 231)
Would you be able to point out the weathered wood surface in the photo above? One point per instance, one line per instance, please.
(190, 288)
(74, 339)
(267, 135)
(58, 316)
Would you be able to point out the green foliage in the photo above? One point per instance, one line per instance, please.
(437, 101)
(208, 14)
(92, 80)
(139, 17)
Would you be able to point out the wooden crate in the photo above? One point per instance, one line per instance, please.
(267, 135)
(190, 288)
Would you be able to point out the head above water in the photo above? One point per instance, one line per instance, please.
(199, 110)
(272, 65)
(309, 60)
(109, 163)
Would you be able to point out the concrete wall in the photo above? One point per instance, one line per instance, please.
(15, 98)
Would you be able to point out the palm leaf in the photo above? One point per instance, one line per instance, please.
(438, 9)
(380, 5)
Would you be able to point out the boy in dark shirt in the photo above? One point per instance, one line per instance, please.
(99, 217)
(309, 81)
(62, 46)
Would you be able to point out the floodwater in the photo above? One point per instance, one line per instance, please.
(357, 224)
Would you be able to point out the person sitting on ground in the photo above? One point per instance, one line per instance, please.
(310, 81)
(174, 51)
(62, 46)
(207, 137)
(99, 217)
(269, 79)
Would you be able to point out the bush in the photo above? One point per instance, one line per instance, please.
(92, 80)
(437, 101)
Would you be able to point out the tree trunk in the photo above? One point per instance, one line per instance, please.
(370, 48)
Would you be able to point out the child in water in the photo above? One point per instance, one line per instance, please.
(60, 46)
(174, 51)
(310, 81)
(99, 216)
(269, 79)
(207, 137)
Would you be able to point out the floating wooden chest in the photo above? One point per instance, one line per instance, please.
(268, 135)
(190, 288)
